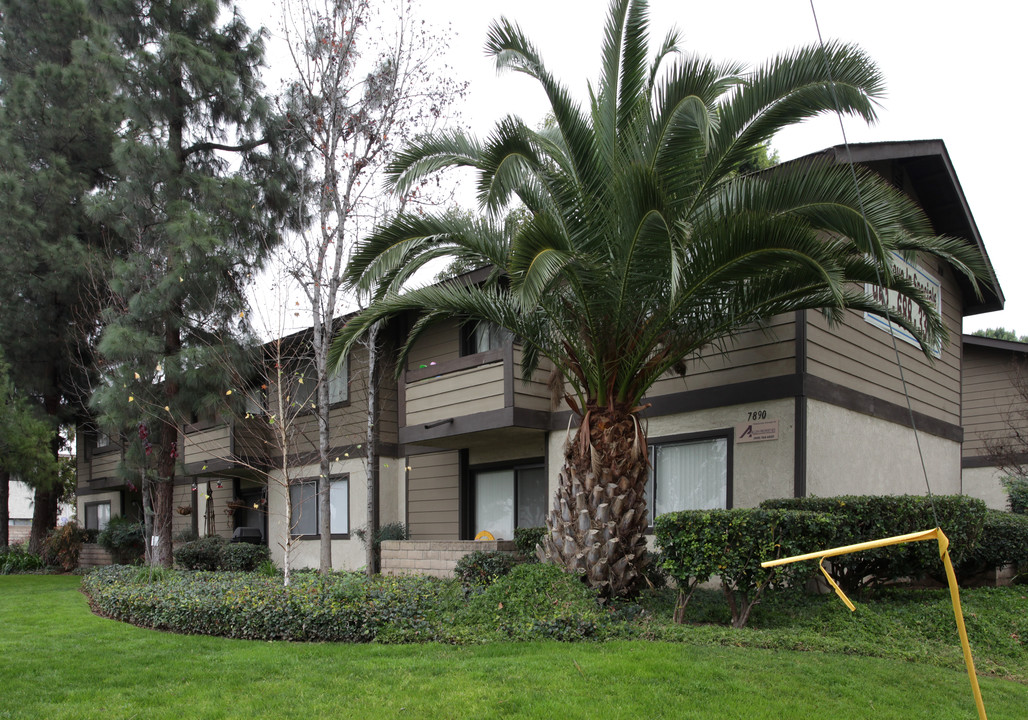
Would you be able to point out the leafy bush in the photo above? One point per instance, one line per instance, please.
(483, 567)
(18, 559)
(123, 539)
(1004, 542)
(538, 601)
(62, 546)
(1017, 494)
(339, 607)
(90, 535)
(202, 554)
(389, 531)
(526, 539)
(243, 557)
(860, 518)
(732, 544)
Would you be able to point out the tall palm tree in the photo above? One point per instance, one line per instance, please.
(644, 243)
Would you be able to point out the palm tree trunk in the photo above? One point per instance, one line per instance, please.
(598, 522)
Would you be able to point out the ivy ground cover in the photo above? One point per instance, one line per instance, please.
(57, 660)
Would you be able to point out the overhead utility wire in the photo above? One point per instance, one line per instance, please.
(878, 276)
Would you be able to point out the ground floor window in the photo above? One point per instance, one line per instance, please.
(98, 514)
(303, 497)
(688, 475)
(506, 498)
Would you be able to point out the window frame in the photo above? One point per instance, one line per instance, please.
(469, 495)
(86, 507)
(725, 434)
(340, 477)
(468, 341)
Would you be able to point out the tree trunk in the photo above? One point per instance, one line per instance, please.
(163, 495)
(598, 522)
(324, 476)
(44, 516)
(5, 510)
(371, 442)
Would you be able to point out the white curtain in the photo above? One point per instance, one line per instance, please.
(494, 503)
(689, 476)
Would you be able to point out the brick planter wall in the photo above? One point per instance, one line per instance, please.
(93, 555)
(433, 557)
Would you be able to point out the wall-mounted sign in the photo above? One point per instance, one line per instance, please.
(903, 307)
(756, 431)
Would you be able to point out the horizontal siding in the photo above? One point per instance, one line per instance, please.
(464, 392)
(439, 343)
(105, 465)
(993, 407)
(433, 496)
(182, 497)
(212, 443)
(535, 394)
(858, 355)
(756, 352)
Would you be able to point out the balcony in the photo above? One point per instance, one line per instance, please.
(217, 447)
(473, 393)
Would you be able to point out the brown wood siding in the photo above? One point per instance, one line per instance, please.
(388, 404)
(992, 406)
(858, 355)
(208, 444)
(464, 392)
(535, 394)
(105, 465)
(433, 499)
(439, 343)
(182, 497)
(757, 352)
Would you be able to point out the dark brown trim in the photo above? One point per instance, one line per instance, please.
(465, 424)
(994, 344)
(464, 510)
(100, 485)
(799, 460)
(465, 362)
(980, 461)
(508, 373)
(833, 394)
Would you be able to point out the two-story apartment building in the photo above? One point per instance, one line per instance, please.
(797, 407)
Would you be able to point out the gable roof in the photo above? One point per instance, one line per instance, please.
(936, 188)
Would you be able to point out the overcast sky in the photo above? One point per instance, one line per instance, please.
(954, 71)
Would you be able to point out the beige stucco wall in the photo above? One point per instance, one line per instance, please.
(849, 453)
(983, 483)
(113, 497)
(761, 470)
(348, 554)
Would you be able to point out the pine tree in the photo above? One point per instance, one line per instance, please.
(57, 122)
(198, 202)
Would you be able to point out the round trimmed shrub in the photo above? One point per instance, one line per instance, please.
(483, 567)
(202, 554)
(243, 557)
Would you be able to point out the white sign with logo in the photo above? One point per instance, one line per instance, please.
(748, 432)
(901, 306)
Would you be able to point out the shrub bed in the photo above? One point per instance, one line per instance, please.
(213, 553)
(18, 559)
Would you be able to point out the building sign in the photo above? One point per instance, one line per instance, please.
(903, 307)
(756, 431)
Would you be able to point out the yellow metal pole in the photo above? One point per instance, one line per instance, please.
(951, 578)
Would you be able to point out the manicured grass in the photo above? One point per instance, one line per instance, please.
(57, 660)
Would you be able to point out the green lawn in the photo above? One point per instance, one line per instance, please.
(57, 660)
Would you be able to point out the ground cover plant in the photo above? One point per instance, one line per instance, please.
(169, 676)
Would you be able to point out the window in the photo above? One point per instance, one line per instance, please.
(507, 498)
(103, 440)
(304, 499)
(339, 384)
(480, 337)
(98, 514)
(690, 475)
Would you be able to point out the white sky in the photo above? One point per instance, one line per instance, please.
(953, 70)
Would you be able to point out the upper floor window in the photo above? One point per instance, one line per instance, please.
(691, 475)
(103, 440)
(480, 337)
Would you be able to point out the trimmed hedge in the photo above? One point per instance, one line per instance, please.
(1017, 494)
(213, 553)
(246, 605)
(698, 544)
(1004, 542)
(860, 518)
